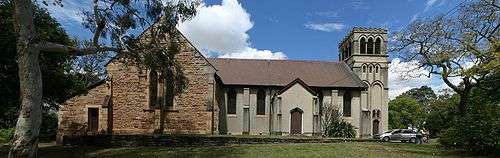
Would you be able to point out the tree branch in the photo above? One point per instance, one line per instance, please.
(445, 75)
(59, 48)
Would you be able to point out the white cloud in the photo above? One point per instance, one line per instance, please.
(415, 17)
(430, 2)
(328, 14)
(327, 27)
(70, 12)
(252, 53)
(404, 76)
(428, 5)
(221, 30)
(358, 5)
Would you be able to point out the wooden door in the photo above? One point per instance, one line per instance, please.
(375, 127)
(296, 122)
(93, 119)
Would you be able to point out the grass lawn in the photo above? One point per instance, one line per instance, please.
(351, 149)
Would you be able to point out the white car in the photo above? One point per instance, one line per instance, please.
(402, 135)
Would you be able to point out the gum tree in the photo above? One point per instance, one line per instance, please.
(112, 23)
(457, 45)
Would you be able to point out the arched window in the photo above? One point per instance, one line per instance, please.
(370, 46)
(261, 102)
(376, 69)
(364, 68)
(231, 101)
(362, 46)
(378, 113)
(370, 69)
(374, 113)
(346, 112)
(378, 43)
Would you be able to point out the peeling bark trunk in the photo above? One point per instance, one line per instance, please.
(25, 141)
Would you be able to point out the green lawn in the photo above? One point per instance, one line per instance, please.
(351, 149)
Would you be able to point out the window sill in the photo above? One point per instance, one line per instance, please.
(171, 110)
(232, 115)
(148, 110)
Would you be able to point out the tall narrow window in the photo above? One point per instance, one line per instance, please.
(153, 88)
(370, 46)
(370, 69)
(347, 105)
(350, 48)
(364, 69)
(261, 102)
(376, 69)
(362, 46)
(231, 101)
(378, 43)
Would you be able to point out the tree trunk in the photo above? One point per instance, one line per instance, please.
(25, 141)
(462, 105)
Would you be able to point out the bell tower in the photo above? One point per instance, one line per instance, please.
(364, 50)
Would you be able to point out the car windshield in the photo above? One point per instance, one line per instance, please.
(388, 131)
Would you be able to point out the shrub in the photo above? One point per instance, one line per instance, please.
(6, 135)
(48, 128)
(334, 126)
(477, 131)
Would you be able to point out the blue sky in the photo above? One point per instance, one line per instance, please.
(287, 29)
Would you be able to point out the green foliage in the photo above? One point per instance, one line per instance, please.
(340, 129)
(56, 67)
(441, 111)
(48, 128)
(405, 111)
(423, 95)
(334, 126)
(478, 130)
(6, 135)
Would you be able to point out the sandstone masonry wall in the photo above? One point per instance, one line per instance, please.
(193, 110)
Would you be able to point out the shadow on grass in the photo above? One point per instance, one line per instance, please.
(166, 152)
(426, 149)
(56, 151)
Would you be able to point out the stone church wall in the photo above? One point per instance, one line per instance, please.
(191, 113)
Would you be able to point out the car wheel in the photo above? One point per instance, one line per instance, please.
(413, 140)
(386, 139)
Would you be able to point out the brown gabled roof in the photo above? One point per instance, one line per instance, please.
(281, 72)
(300, 82)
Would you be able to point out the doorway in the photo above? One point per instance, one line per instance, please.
(375, 127)
(93, 119)
(296, 121)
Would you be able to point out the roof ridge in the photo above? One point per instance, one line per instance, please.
(279, 60)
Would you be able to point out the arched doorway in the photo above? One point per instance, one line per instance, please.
(375, 126)
(296, 121)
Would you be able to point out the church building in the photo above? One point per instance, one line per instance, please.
(242, 96)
